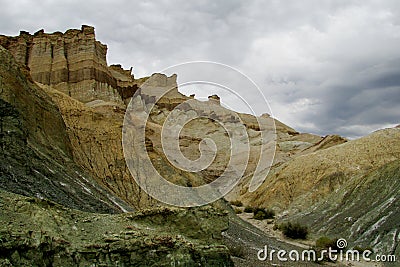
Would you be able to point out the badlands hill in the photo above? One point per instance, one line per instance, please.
(56, 149)
(62, 114)
(350, 190)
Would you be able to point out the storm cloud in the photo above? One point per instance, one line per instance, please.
(324, 66)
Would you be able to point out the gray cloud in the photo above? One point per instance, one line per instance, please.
(325, 66)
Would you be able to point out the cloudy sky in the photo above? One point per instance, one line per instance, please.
(324, 66)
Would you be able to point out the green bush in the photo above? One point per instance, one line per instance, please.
(248, 209)
(262, 214)
(238, 211)
(294, 230)
(237, 203)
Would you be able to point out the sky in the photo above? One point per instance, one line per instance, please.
(325, 67)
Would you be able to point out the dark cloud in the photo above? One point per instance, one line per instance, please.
(325, 66)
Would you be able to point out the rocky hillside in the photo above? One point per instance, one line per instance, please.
(61, 130)
(306, 179)
(365, 210)
(36, 154)
(43, 233)
(95, 133)
(92, 98)
(55, 151)
(349, 190)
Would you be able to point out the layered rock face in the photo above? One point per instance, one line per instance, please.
(95, 133)
(36, 156)
(73, 62)
(69, 131)
(59, 152)
(91, 96)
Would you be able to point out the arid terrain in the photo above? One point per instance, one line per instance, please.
(68, 197)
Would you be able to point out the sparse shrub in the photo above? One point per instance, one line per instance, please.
(259, 216)
(255, 210)
(262, 214)
(326, 242)
(294, 230)
(276, 227)
(238, 211)
(248, 209)
(237, 203)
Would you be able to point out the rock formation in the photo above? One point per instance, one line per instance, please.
(306, 179)
(349, 190)
(53, 152)
(73, 62)
(35, 151)
(61, 119)
(71, 67)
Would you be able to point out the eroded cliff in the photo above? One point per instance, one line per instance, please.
(69, 130)
(73, 62)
